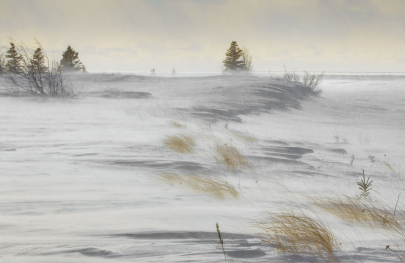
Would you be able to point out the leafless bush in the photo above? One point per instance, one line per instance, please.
(247, 60)
(312, 81)
(39, 76)
(309, 80)
(290, 75)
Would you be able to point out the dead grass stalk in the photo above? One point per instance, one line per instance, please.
(202, 183)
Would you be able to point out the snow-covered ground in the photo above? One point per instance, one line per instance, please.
(80, 178)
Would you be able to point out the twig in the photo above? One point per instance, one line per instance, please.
(396, 204)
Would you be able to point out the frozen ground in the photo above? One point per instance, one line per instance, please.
(79, 179)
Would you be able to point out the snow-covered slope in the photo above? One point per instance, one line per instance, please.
(81, 179)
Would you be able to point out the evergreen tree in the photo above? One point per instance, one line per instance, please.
(70, 61)
(13, 59)
(38, 61)
(233, 61)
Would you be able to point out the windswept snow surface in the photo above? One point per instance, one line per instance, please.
(79, 178)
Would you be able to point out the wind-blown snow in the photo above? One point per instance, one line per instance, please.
(79, 178)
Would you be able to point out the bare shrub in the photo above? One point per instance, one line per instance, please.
(43, 78)
(299, 234)
(202, 183)
(247, 60)
(230, 157)
(180, 143)
(310, 80)
(313, 81)
(290, 75)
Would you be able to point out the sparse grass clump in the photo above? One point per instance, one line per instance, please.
(363, 212)
(202, 183)
(230, 157)
(244, 137)
(178, 125)
(299, 234)
(180, 143)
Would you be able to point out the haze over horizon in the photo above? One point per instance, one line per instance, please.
(193, 36)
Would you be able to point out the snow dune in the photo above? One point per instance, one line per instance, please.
(80, 180)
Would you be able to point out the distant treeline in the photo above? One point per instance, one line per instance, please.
(237, 60)
(12, 61)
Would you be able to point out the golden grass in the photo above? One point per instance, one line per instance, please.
(202, 183)
(230, 157)
(365, 213)
(177, 125)
(244, 137)
(299, 234)
(180, 143)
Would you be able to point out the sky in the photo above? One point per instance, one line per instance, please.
(193, 35)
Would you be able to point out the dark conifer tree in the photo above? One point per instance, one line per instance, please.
(70, 61)
(233, 61)
(13, 59)
(38, 61)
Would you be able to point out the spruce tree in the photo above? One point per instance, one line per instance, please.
(13, 59)
(70, 61)
(233, 60)
(38, 61)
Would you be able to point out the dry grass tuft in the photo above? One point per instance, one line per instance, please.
(230, 157)
(180, 143)
(178, 125)
(363, 212)
(202, 183)
(244, 137)
(299, 234)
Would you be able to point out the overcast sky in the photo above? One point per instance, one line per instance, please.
(193, 35)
